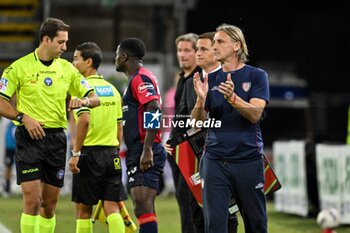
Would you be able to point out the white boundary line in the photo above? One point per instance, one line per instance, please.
(3, 229)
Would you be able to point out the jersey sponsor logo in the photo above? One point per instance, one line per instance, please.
(48, 81)
(32, 170)
(104, 91)
(108, 103)
(60, 174)
(85, 84)
(246, 86)
(151, 120)
(47, 72)
(125, 108)
(144, 87)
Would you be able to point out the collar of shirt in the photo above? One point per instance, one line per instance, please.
(216, 69)
(95, 76)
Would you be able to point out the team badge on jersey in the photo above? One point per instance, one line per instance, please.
(246, 86)
(48, 81)
(151, 120)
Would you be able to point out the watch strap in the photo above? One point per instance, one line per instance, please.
(19, 117)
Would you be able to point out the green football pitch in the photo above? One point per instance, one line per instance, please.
(167, 215)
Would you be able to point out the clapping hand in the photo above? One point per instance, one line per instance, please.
(200, 87)
(227, 88)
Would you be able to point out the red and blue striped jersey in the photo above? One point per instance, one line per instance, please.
(142, 88)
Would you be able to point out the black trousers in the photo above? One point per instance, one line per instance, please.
(191, 213)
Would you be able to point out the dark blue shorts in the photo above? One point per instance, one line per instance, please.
(42, 159)
(151, 177)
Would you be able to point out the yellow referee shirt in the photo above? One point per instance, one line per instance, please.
(103, 119)
(42, 90)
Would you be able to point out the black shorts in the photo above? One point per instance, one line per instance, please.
(151, 177)
(42, 159)
(9, 157)
(100, 176)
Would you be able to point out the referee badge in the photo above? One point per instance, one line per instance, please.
(246, 86)
(48, 81)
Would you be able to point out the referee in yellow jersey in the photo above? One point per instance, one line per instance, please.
(95, 160)
(41, 81)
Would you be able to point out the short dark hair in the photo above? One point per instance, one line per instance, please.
(207, 35)
(50, 27)
(91, 50)
(133, 46)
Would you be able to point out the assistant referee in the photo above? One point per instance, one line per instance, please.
(95, 160)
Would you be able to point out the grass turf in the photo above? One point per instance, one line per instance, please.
(167, 215)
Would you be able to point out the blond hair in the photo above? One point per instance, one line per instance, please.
(236, 34)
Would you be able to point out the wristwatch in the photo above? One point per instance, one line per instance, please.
(76, 154)
(19, 117)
